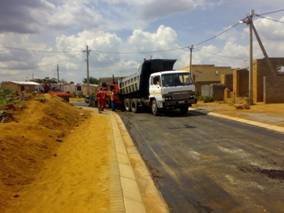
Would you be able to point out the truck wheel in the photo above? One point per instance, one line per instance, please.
(155, 110)
(184, 110)
(127, 105)
(134, 105)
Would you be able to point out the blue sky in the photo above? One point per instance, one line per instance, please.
(34, 34)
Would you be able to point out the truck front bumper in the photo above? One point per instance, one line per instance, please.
(179, 103)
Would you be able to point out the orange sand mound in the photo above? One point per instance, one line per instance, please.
(33, 137)
(78, 178)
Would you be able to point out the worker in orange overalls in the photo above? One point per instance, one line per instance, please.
(101, 97)
(112, 100)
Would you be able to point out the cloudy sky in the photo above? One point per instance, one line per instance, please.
(35, 35)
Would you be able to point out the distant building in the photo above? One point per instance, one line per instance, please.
(206, 74)
(109, 80)
(84, 89)
(21, 86)
(69, 87)
(268, 86)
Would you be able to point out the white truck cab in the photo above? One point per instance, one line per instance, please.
(171, 89)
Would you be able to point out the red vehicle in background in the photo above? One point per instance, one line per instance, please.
(64, 95)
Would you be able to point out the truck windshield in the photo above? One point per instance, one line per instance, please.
(176, 79)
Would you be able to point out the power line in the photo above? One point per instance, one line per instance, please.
(97, 50)
(222, 55)
(271, 19)
(272, 12)
(140, 52)
(41, 50)
(217, 35)
(129, 52)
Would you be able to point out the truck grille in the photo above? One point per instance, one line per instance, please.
(181, 95)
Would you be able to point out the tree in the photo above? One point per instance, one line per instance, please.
(92, 80)
(45, 80)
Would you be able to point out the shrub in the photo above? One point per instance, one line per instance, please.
(7, 97)
(208, 99)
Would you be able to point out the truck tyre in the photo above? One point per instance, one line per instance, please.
(134, 105)
(155, 109)
(127, 104)
(184, 110)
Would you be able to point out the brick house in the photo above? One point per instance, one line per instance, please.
(268, 86)
(206, 74)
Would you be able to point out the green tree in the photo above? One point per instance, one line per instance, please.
(92, 80)
(45, 80)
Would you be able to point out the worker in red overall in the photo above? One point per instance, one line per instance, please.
(101, 97)
(112, 97)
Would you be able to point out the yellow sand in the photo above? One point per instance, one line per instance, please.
(30, 139)
(77, 178)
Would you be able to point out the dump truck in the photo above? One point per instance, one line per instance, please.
(157, 86)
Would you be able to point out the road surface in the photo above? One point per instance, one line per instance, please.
(206, 164)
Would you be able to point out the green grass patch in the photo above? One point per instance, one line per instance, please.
(7, 97)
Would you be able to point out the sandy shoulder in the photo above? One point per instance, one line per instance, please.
(77, 178)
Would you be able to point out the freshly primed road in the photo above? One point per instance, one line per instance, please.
(206, 164)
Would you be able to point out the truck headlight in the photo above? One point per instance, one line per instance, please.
(168, 98)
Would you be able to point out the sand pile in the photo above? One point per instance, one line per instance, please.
(32, 136)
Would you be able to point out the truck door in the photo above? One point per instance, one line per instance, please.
(155, 87)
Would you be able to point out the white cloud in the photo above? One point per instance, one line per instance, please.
(151, 9)
(75, 14)
(163, 38)
(69, 25)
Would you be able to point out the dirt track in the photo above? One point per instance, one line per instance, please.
(77, 178)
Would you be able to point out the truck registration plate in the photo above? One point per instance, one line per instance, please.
(181, 102)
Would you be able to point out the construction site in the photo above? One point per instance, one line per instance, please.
(150, 127)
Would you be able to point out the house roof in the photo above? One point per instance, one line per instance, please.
(31, 83)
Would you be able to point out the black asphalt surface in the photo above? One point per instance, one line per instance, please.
(206, 164)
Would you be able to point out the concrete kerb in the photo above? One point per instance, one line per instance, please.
(132, 199)
(139, 191)
(250, 122)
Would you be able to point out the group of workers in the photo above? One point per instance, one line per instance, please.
(101, 99)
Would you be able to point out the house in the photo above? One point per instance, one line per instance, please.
(21, 86)
(268, 86)
(83, 89)
(206, 74)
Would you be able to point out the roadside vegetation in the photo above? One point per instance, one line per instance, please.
(7, 97)
(9, 104)
(206, 99)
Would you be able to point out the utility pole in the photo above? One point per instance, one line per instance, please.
(250, 22)
(190, 61)
(57, 70)
(252, 30)
(190, 58)
(270, 66)
(87, 51)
